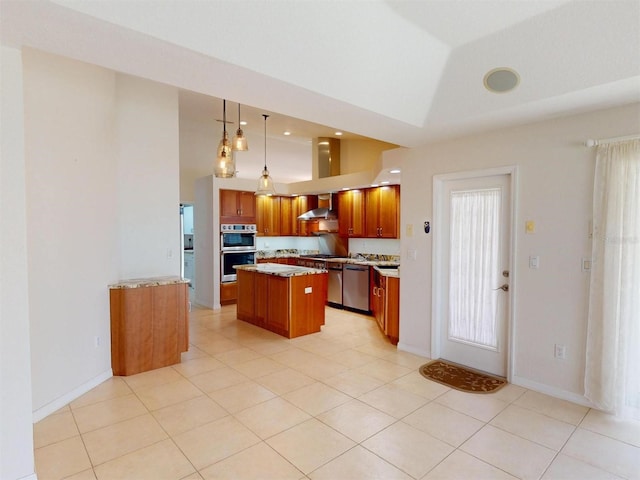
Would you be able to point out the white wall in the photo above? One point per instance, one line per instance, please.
(71, 221)
(16, 434)
(555, 172)
(103, 204)
(148, 178)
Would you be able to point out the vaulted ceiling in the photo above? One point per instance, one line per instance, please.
(403, 72)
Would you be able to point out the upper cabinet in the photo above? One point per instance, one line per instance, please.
(382, 211)
(237, 207)
(278, 215)
(300, 205)
(351, 213)
(268, 220)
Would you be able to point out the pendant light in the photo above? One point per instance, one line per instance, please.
(225, 166)
(239, 142)
(265, 182)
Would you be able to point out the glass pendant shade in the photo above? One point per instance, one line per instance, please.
(239, 141)
(265, 182)
(225, 164)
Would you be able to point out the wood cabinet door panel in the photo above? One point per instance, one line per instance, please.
(351, 217)
(278, 304)
(165, 326)
(245, 308)
(247, 205)
(261, 294)
(286, 213)
(268, 216)
(308, 298)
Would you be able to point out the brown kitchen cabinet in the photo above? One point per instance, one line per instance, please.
(382, 212)
(268, 216)
(290, 209)
(384, 303)
(286, 217)
(351, 216)
(228, 293)
(149, 324)
(237, 206)
(300, 205)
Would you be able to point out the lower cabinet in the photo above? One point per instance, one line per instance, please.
(385, 300)
(149, 327)
(228, 293)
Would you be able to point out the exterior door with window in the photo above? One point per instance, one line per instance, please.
(474, 245)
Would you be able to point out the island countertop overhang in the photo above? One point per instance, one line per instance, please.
(280, 270)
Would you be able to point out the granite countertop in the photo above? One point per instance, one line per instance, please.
(388, 272)
(280, 270)
(149, 282)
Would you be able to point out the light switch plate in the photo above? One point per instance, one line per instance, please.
(534, 261)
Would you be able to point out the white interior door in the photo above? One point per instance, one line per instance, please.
(473, 271)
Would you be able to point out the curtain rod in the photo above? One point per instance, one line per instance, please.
(595, 142)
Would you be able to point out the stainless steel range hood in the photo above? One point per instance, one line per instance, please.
(324, 211)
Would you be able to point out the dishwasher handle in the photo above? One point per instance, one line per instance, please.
(357, 268)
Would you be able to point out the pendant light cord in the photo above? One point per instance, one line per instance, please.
(224, 117)
(265, 140)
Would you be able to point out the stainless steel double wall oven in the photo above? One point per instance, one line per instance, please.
(237, 247)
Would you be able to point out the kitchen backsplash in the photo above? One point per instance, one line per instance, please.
(379, 246)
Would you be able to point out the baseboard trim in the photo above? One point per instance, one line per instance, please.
(552, 391)
(411, 349)
(33, 476)
(60, 402)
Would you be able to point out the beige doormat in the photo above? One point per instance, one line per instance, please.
(461, 378)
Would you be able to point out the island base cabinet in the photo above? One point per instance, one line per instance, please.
(149, 327)
(289, 306)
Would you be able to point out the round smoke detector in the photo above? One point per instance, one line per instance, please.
(501, 80)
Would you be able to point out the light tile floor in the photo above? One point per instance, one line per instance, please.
(340, 404)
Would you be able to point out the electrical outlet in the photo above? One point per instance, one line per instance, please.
(560, 351)
(96, 341)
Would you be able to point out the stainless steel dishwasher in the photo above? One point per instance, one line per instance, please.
(334, 295)
(355, 287)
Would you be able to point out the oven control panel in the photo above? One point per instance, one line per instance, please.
(240, 228)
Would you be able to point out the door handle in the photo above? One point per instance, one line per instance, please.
(504, 288)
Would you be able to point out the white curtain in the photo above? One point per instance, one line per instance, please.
(475, 246)
(612, 375)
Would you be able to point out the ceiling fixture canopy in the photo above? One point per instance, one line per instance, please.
(265, 182)
(239, 142)
(225, 166)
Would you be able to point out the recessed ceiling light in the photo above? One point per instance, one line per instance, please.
(323, 143)
(286, 132)
(345, 188)
(395, 170)
(501, 80)
(385, 182)
(338, 133)
(243, 122)
(374, 184)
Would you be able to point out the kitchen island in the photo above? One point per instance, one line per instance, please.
(285, 299)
